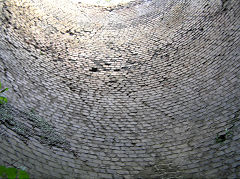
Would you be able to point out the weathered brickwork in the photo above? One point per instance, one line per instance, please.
(149, 89)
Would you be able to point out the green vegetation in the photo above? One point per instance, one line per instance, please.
(3, 99)
(5, 172)
(229, 132)
(223, 137)
(13, 173)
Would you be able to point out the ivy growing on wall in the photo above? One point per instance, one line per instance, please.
(13, 173)
(2, 98)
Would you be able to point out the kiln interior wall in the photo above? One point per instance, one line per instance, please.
(149, 89)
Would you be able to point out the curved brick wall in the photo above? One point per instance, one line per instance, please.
(145, 90)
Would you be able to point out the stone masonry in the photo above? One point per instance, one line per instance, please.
(144, 90)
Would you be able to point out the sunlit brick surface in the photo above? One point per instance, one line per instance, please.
(136, 90)
(105, 3)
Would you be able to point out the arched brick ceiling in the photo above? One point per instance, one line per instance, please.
(146, 89)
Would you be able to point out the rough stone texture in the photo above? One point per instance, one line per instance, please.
(142, 90)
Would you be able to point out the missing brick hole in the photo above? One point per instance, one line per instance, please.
(221, 138)
(93, 69)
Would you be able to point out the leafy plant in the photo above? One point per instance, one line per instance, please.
(223, 137)
(3, 99)
(13, 173)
